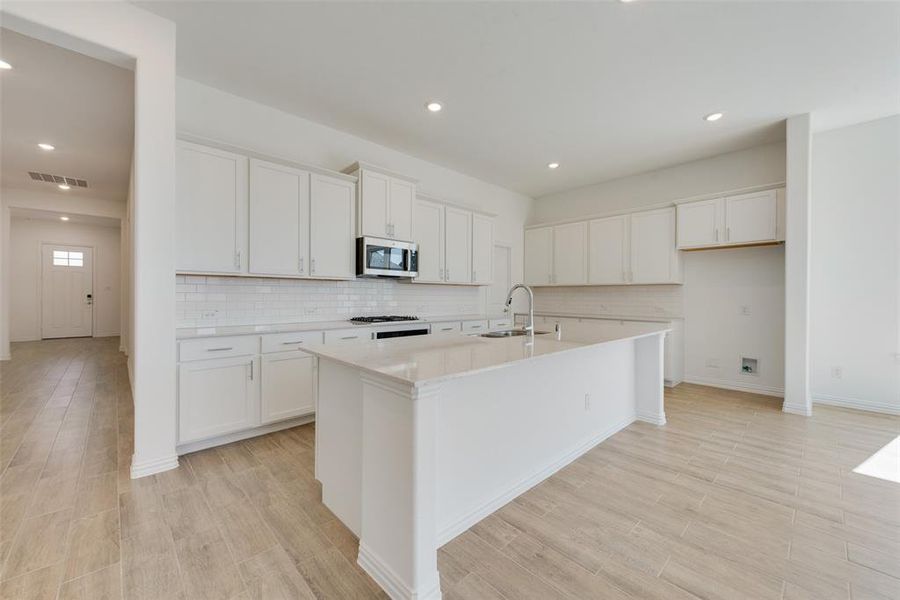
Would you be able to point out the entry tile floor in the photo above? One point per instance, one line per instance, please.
(731, 499)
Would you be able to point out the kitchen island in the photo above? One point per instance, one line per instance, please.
(418, 439)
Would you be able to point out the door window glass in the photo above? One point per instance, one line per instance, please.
(62, 258)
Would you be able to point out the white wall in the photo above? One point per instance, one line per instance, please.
(717, 283)
(26, 236)
(855, 271)
(219, 116)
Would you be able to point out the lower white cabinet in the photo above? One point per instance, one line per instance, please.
(287, 386)
(217, 396)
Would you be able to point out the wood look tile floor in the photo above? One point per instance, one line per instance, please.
(732, 499)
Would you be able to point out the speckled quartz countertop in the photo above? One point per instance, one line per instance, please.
(188, 333)
(430, 359)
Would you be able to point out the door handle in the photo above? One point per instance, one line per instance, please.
(89, 299)
(251, 370)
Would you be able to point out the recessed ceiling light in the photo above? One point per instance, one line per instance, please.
(434, 106)
(63, 186)
(48, 147)
(553, 165)
(5, 65)
(64, 218)
(626, 1)
(714, 116)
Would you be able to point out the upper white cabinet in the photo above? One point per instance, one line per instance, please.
(331, 237)
(754, 218)
(279, 219)
(653, 256)
(625, 249)
(539, 256)
(570, 244)
(482, 249)
(608, 250)
(428, 233)
(385, 202)
(210, 210)
(457, 245)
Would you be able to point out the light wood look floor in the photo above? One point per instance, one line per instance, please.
(732, 499)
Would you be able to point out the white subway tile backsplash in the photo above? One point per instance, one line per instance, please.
(630, 300)
(206, 301)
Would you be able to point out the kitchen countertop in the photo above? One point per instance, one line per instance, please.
(430, 359)
(188, 333)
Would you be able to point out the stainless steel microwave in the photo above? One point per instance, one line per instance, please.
(380, 257)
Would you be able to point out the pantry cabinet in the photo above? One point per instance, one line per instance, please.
(279, 219)
(210, 210)
(385, 202)
(753, 218)
(333, 222)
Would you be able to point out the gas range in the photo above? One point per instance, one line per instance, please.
(384, 319)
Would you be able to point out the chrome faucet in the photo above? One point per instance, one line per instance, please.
(529, 327)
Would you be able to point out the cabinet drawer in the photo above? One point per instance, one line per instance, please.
(451, 327)
(474, 326)
(501, 323)
(279, 342)
(356, 334)
(223, 347)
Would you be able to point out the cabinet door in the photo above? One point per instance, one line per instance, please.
(538, 256)
(287, 386)
(400, 207)
(331, 227)
(210, 210)
(751, 218)
(428, 233)
(700, 223)
(570, 254)
(608, 239)
(482, 249)
(375, 190)
(654, 258)
(457, 245)
(217, 396)
(279, 219)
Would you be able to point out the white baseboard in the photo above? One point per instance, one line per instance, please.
(151, 467)
(390, 582)
(867, 405)
(796, 409)
(6, 357)
(237, 436)
(737, 386)
(652, 418)
(463, 523)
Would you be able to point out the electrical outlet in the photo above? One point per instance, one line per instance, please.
(837, 372)
(745, 310)
(712, 363)
(209, 314)
(587, 402)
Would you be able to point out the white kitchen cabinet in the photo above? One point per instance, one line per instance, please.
(701, 223)
(539, 256)
(478, 326)
(654, 257)
(570, 258)
(286, 386)
(385, 202)
(332, 225)
(608, 250)
(210, 210)
(482, 249)
(279, 219)
(351, 334)
(753, 218)
(217, 396)
(428, 233)
(457, 245)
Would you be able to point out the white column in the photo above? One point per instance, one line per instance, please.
(649, 378)
(398, 541)
(798, 194)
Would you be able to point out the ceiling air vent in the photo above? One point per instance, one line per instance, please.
(57, 179)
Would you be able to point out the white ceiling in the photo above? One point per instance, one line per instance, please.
(607, 89)
(31, 214)
(83, 106)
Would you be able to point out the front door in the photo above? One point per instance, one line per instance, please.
(66, 291)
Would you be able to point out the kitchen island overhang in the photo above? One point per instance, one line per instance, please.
(418, 439)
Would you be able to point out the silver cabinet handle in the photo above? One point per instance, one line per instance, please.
(447, 274)
(220, 349)
(350, 337)
(441, 274)
(237, 259)
(474, 326)
(728, 234)
(251, 370)
(312, 266)
(474, 275)
(291, 343)
(717, 234)
(301, 265)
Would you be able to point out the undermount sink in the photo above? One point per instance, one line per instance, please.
(509, 333)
